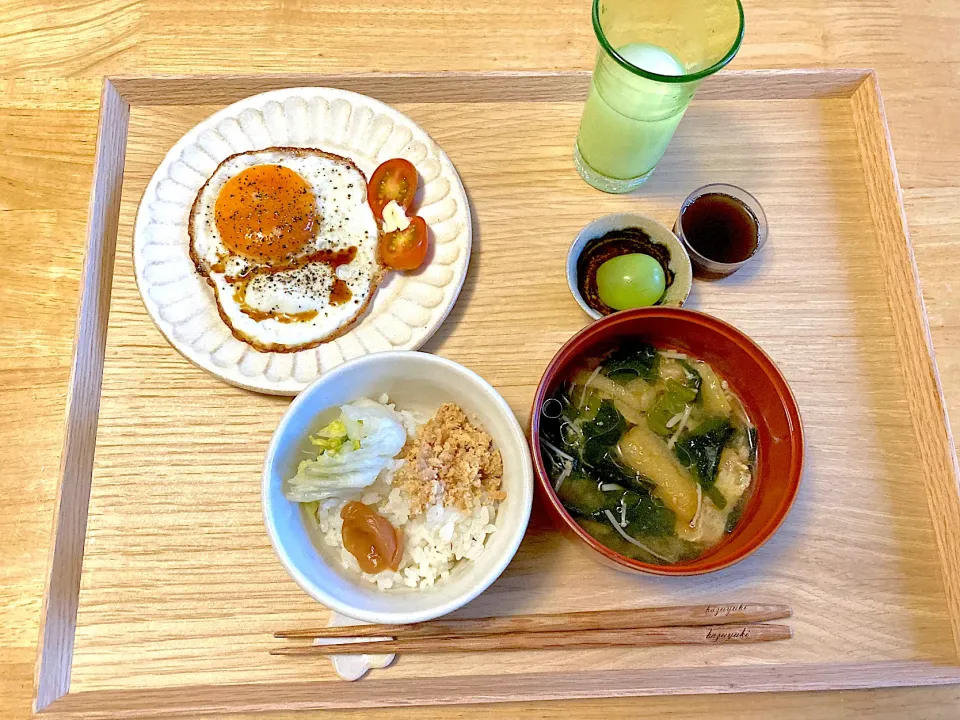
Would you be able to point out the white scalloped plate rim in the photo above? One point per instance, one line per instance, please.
(350, 344)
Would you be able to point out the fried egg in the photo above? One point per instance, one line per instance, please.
(288, 243)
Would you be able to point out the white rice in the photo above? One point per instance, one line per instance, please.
(434, 541)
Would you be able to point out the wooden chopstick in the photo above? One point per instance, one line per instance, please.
(582, 640)
(683, 615)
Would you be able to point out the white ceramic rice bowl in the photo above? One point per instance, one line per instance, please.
(414, 381)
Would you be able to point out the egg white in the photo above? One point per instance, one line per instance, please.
(345, 220)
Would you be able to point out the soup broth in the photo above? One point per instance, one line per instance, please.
(651, 452)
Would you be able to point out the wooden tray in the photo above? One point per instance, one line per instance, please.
(180, 592)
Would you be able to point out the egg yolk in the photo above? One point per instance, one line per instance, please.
(267, 213)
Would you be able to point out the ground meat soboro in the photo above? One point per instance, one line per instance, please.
(451, 461)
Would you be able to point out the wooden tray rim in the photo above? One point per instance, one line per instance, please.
(921, 379)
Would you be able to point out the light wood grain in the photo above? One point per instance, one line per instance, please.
(927, 703)
(920, 377)
(83, 404)
(52, 59)
(806, 167)
(193, 701)
(476, 87)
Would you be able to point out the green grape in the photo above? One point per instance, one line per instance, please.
(630, 281)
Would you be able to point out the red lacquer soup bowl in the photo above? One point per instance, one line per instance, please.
(752, 375)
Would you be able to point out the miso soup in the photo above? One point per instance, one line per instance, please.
(651, 452)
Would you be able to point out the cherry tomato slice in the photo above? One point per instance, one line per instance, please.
(405, 249)
(396, 179)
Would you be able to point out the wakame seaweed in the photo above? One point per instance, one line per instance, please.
(636, 360)
(700, 449)
(736, 513)
(609, 469)
(601, 433)
(693, 377)
(647, 515)
(607, 423)
(582, 495)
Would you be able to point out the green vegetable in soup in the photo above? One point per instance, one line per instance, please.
(607, 423)
(700, 449)
(608, 469)
(670, 548)
(685, 391)
(694, 379)
(603, 532)
(581, 495)
(656, 550)
(671, 403)
(637, 360)
(716, 497)
(646, 515)
(601, 433)
(735, 514)
(591, 407)
(595, 452)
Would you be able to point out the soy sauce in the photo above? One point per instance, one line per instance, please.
(720, 228)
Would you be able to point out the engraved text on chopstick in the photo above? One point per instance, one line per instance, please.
(724, 610)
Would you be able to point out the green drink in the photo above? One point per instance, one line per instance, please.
(652, 57)
(628, 120)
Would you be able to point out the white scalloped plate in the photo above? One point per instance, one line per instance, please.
(407, 307)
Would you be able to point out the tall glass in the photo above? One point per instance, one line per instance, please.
(653, 55)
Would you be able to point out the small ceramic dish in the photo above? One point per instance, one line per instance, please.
(673, 256)
(421, 383)
(765, 395)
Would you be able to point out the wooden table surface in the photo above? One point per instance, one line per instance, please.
(52, 57)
